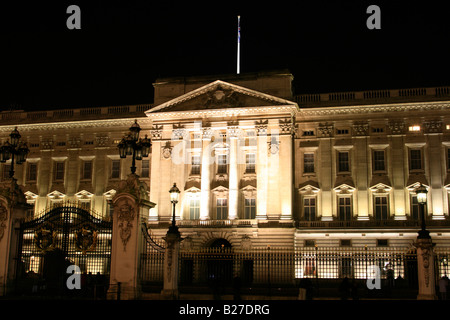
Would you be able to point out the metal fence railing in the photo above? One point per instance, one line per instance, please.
(286, 266)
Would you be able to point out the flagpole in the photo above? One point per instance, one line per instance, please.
(239, 45)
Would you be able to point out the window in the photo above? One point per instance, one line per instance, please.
(30, 210)
(109, 209)
(343, 162)
(194, 209)
(378, 161)
(448, 159)
(195, 169)
(115, 169)
(342, 131)
(308, 133)
(222, 163)
(344, 208)
(309, 209)
(377, 130)
(32, 171)
(250, 208)
(222, 209)
(415, 159)
(382, 243)
(414, 208)
(308, 163)
(145, 169)
(59, 171)
(310, 243)
(86, 205)
(381, 208)
(250, 161)
(5, 173)
(414, 128)
(87, 170)
(345, 243)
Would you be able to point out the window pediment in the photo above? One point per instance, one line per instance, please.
(56, 195)
(309, 187)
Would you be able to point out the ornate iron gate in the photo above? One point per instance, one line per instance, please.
(65, 235)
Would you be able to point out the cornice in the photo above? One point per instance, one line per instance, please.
(226, 112)
(108, 123)
(371, 109)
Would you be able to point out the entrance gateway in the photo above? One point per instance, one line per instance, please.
(63, 236)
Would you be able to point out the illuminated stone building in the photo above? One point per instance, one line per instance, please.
(256, 164)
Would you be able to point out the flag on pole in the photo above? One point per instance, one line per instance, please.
(239, 44)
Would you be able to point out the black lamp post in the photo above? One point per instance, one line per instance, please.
(421, 193)
(14, 149)
(132, 145)
(174, 195)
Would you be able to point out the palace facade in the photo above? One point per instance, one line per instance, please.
(256, 165)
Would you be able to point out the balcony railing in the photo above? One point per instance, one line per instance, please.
(410, 223)
(216, 223)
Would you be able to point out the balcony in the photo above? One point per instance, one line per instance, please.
(371, 224)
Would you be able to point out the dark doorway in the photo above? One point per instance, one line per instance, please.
(220, 263)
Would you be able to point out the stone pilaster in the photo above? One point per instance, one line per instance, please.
(13, 208)
(425, 266)
(206, 174)
(131, 208)
(233, 133)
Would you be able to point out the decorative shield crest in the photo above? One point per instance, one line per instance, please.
(86, 239)
(45, 238)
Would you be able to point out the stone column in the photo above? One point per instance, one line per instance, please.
(233, 133)
(261, 171)
(205, 183)
(326, 175)
(286, 171)
(131, 209)
(425, 266)
(13, 206)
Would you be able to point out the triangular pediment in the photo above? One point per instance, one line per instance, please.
(219, 95)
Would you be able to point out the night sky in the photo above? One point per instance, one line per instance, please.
(124, 46)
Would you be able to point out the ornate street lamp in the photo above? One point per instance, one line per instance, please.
(14, 149)
(132, 145)
(174, 195)
(421, 193)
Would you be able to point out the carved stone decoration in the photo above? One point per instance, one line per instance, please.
(287, 127)
(397, 127)
(361, 129)
(45, 238)
(47, 144)
(325, 130)
(246, 242)
(125, 219)
(166, 151)
(233, 131)
(433, 126)
(178, 132)
(221, 98)
(261, 127)
(3, 218)
(207, 133)
(86, 239)
(102, 141)
(74, 142)
(273, 147)
(156, 132)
